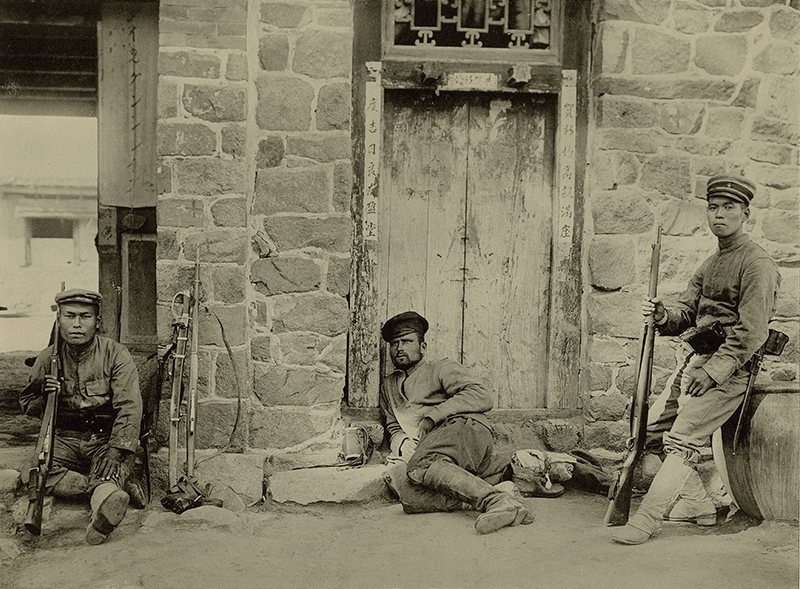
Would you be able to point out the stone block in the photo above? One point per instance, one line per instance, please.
(229, 283)
(725, 123)
(332, 234)
(683, 218)
(620, 211)
(560, 435)
(667, 174)
(607, 406)
(778, 155)
(651, 12)
(318, 313)
(612, 262)
(342, 186)
(188, 64)
(218, 245)
(236, 67)
(611, 435)
(218, 14)
(788, 303)
(662, 88)
(322, 148)
(168, 247)
(9, 480)
(285, 14)
(185, 27)
(270, 152)
(613, 47)
(323, 54)
(260, 349)
(748, 93)
(233, 318)
(781, 226)
(233, 140)
(282, 427)
(703, 146)
(226, 383)
(614, 314)
(780, 100)
(298, 386)
(630, 140)
(185, 139)
(230, 212)
(215, 421)
(738, 21)
(163, 178)
(334, 356)
(284, 103)
(172, 278)
(659, 53)
(180, 212)
(298, 190)
(329, 485)
(333, 107)
(599, 377)
(338, 277)
(721, 55)
(167, 99)
(334, 17)
(281, 274)
(607, 351)
(300, 348)
(771, 176)
(216, 104)
(777, 58)
(690, 19)
(210, 176)
(785, 24)
(681, 117)
(273, 52)
(616, 111)
(775, 131)
(217, 41)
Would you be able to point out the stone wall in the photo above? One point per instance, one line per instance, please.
(683, 90)
(254, 148)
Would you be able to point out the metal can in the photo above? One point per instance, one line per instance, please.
(352, 446)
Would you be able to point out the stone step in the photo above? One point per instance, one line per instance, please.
(329, 485)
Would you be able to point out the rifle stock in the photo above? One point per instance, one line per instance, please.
(620, 492)
(44, 448)
(193, 368)
(179, 359)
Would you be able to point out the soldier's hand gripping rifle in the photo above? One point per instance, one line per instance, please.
(620, 491)
(37, 478)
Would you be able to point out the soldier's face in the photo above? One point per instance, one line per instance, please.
(726, 217)
(406, 350)
(77, 323)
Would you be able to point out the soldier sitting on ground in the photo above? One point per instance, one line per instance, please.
(98, 414)
(435, 418)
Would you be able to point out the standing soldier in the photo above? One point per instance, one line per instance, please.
(98, 414)
(736, 287)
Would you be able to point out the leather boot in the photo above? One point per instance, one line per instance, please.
(664, 490)
(695, 504)
(498, 509)
(109, 503)
(416, 498)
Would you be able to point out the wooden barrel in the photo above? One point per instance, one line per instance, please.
(763, 476)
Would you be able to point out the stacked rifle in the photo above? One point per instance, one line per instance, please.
(184, 407)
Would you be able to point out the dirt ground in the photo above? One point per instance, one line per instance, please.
(377, 545)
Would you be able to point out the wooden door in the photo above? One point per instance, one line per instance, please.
(466, 231)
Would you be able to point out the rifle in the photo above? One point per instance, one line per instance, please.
(181, 323)
(37, 477)
(192, 402)
(620, 491)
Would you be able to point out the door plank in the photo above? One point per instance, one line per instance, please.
(509, 238)
(422, 214)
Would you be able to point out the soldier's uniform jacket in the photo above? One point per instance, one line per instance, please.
(100, 385)
(736, 286)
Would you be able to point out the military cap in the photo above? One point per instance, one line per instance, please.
(79, 295)
(734, 187)
(402, 324)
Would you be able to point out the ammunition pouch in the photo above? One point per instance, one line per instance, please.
(706, 339)
(186, 494)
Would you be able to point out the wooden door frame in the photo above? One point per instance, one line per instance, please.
(569, 82)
